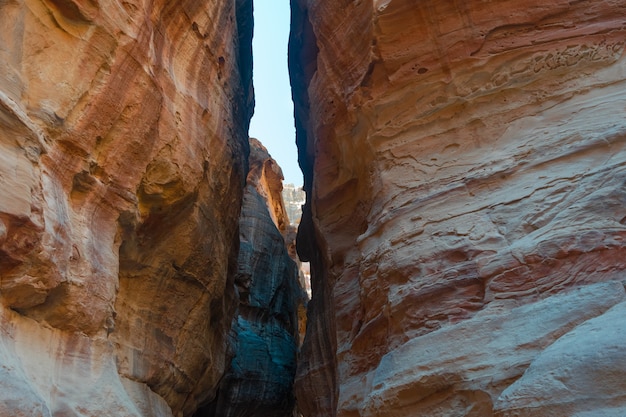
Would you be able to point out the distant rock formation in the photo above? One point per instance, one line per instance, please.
(294, 198)
(259, 381)
(123, 146)
(464, 167)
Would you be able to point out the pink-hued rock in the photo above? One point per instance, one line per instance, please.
(462, 160)
(123, 145)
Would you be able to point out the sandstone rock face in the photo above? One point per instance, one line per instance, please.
(294, 198)
(464, 166)
(259, 381)
(122, 159)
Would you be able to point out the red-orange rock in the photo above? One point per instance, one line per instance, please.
(463, 161)
(123, 144)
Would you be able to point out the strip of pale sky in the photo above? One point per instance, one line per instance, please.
(272, 122)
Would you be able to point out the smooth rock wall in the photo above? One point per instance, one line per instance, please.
(123, 145)
(464, 169)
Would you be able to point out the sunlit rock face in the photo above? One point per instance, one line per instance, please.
(464, 165)
(259, 380)
(294, 198)
(123, 151)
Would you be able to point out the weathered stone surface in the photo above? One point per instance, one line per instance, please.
(123, 144)
(18, 397)
(294, 198)
(259, 381)
(461, 158)
(49, 372)
(580, 374)
(470, 363)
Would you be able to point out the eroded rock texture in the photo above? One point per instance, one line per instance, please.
(123, 138)
(464, 165)
(259, 381)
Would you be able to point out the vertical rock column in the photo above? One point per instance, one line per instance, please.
(259, 381)
(464, 169)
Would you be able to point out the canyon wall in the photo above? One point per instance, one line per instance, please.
(123, 145)
(265, 337)
(464, 165)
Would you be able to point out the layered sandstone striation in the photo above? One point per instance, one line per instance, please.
(259, 380)
(123, 144)
(464, 167)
